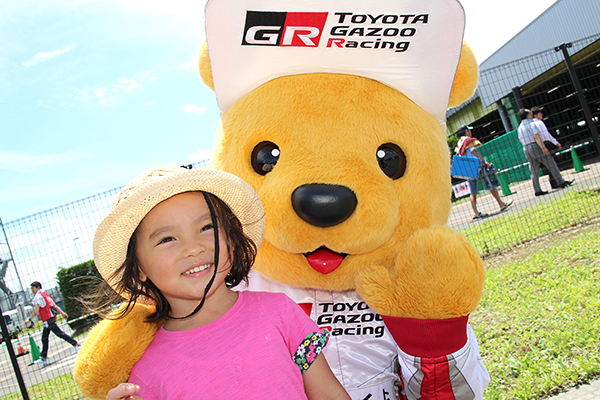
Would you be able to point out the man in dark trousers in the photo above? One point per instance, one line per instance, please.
(549, 141)
(530, 135)
(42, 304)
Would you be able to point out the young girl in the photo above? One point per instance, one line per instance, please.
(180, 239)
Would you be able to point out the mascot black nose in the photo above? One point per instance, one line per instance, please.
(323, 205)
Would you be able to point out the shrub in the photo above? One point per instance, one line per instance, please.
(75, 283)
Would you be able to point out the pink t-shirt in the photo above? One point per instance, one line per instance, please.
(245, 354)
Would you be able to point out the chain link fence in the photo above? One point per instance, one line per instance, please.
(34, 248)
(565, 81)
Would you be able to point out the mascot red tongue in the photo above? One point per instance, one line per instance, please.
(324, 261)
(347, 97)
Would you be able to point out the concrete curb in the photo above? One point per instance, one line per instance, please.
(590, 391)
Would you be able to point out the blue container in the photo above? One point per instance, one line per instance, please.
(465, 167)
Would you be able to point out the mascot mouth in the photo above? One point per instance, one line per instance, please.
(324, 260)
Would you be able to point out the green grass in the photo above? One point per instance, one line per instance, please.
(541, 219)
(61, 388)
(538, 323)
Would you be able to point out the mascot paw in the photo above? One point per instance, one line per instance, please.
(437, 275)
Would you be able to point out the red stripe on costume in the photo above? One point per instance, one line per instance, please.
(307, 307)
(436, 379)
(428, 337)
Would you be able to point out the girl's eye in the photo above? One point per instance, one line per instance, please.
(206, 228)
(166, 239)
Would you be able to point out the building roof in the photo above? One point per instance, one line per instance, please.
(563, 22)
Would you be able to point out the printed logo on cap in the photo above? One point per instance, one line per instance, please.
(296, 29)
(411, 45)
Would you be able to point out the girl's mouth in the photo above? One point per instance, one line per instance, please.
(324, 260)
(197, 269)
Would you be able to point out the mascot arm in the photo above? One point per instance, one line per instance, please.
(439, 359)
(111, 350)
(425, 301)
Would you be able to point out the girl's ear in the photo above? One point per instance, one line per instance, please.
(143, 276)
(465, 80)
(204, 66)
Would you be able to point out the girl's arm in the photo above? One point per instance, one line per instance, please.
(321, 384)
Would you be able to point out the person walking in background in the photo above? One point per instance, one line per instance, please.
(549, 141)
(530, 136)
(42, 305)
(467, 146)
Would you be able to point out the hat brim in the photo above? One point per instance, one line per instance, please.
(146, 191)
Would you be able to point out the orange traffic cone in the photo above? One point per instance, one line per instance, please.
(20, 349)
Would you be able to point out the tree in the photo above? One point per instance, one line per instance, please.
(75, 283)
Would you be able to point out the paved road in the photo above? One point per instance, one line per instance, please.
(590, 391)
(61, 360)
(461, 215)
(59, 356)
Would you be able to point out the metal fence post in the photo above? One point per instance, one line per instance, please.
(11, 256)
(13, 358)
(580, 93)
(517, 93)
(504, 116)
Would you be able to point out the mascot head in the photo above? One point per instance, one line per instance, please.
(336, 119)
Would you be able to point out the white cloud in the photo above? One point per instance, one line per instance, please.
(191, 64)
(106, 95)
(47, 55)
(194, 109)
(200, 155)
(17, 162)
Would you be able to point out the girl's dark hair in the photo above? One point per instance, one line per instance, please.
(240, 248)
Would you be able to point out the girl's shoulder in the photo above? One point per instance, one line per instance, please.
(267, 301)
(267, 297)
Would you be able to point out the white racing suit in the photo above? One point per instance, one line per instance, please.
(364, 356)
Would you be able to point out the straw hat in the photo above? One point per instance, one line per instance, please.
(147, 190)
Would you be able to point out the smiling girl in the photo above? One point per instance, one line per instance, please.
(180, 239)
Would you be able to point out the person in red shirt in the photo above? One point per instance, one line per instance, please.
(42, 303)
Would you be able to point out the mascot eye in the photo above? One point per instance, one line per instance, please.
(264, 157)
(392, 160)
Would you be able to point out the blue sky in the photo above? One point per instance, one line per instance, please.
(92, 93)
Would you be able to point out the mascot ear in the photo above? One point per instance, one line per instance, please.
(204, 66)
(465, 81)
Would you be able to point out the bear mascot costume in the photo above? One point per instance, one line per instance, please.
(334, 112)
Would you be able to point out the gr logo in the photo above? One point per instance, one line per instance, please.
(297, 29)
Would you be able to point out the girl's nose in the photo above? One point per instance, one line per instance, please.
(194, 247)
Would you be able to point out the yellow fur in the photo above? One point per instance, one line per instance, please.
(353, 117)
(401, 258)
(204, 66)
(110, 351)
(465, 80)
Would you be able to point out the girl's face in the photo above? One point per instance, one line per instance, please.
(175, 250)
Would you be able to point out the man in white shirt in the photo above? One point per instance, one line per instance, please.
(549, 141)
(536, 152)
(43, 303)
